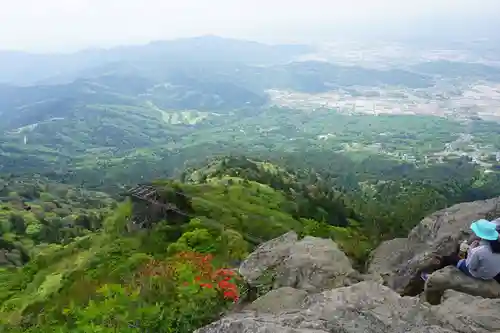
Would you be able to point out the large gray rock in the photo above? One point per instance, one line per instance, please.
(267, 256)
(279, 300)
(315, 264)
(251, 322)
(465, 313)
(450, 278)
(382, 258)
(400, 262)
(311, 264)
(368, 307)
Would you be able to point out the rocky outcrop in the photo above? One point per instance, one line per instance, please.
(400, 261)
(316, 290)
(450, 278)
(279, 300)
(383, 257)
(465, 313)
(311, 264)
(267, 256)
(368, 307)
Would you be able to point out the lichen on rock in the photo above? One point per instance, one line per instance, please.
(450, 278)
(311, 264)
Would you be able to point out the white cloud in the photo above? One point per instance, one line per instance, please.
(69, 24)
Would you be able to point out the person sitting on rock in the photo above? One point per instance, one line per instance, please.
(483, 255)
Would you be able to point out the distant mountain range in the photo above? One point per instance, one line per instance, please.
(203, 74)
(112, 102)
(20, 68)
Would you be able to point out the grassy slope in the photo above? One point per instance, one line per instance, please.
(58, 273)
(252, 208)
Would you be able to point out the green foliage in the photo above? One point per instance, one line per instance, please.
(35, 212)
(115, 309)
(198, 240)
(97, 283)
(116, 224)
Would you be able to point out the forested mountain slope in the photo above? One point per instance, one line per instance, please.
(35, 212)
(390, 197)
(27, 69)
(225, 215)
(141, 261)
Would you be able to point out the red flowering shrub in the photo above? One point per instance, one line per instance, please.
(190, 270)
(223, 280)
(156, 278)
(179, 294)
(226, 284)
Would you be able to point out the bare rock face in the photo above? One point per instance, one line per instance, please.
(384, 256)
(400, 261)
(267, 256)
(315, 264)
(465, 313)
(450, 278)
(251, 322)
(311, 264)
(369, 307)
(364, 307)
(279, 300)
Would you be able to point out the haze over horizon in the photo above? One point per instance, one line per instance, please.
(70, 25)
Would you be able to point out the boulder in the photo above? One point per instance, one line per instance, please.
(465, 313)
(315, 264)
(450, 278)
(368, 307)
(279, 300)
(383, 257)
(311, 264)
(401, 261)
(267, 256)
(251, 322)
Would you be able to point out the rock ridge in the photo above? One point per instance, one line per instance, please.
(310, 286)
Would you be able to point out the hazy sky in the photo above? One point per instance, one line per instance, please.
(63, 25)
